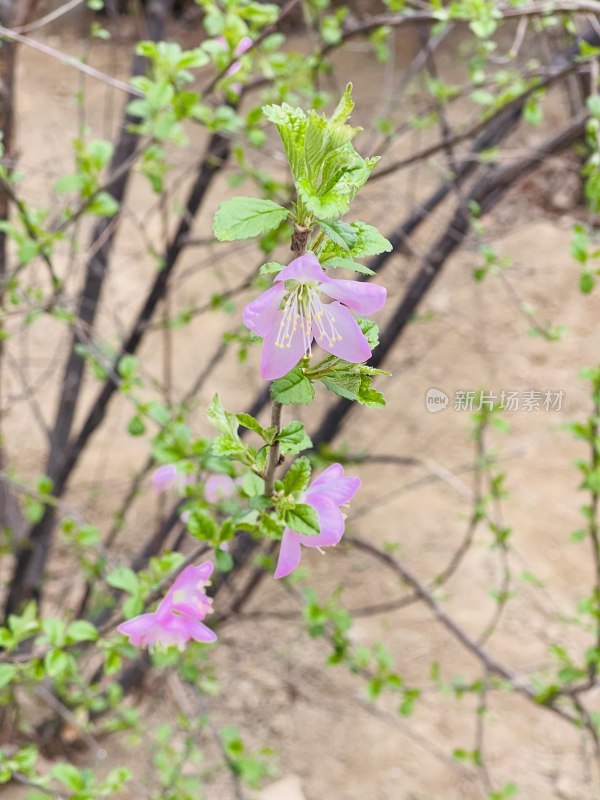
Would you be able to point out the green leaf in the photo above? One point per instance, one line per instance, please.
(56, 662)
(223, 421)
(252, 485)
(69, 775)
(136, 426)
(270, 268)
(54, 629)
(252, 424)
(127, 366)
(293, 388)
(81, 631)
(303, 518)
(69, 183)
(104, 205)
(292, 124)
(340, 233)
(228, 446)
(245, 217)
(348, 263)
(369, 242)
(370, 397)
(223, 561)
(298, 476)
(586, 282)
(325, 206)
(370, 330)
(343, 383)
(123, 578)
(201, 525)
(7, 674)
(293, 439)
(344, 107)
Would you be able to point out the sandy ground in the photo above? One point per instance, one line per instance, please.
(275, 685)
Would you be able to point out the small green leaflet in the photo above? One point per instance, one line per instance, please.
(368, 242)
(340, 233)
(223, 421)
(348, 263)
(371, 332)
(245, 217)
(297, 477)
(201, 525)
(303, 518)
(270, 268)
(293, 439)
(293, 388)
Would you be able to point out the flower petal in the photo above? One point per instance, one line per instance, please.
(360, 296)
(193, 577)
(164, 477)
(138, 627)
(303, 268)
(289, 554)
(187, 595)
(331, 523)
(219, 487)
(244, 44)
(277, 361)
(258, 315)
(351, 345)
(334, 485)
(199, 631)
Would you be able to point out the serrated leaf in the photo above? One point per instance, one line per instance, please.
(292, 124)
(343, 383)
(303, 518)
(228, 446)
(201, 525)
(245, 217)
(369, 242)
(298, 476)
(325, 206)
(293, 388)
(340, 233)
(344, 107)
(252, 424)
(370, 397)
(293, 439)
(370, 330)
(222, 420)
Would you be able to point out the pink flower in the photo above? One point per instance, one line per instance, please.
(219, 487)
(291, 314)
(168, 477)
(325, 494)
(178, 616)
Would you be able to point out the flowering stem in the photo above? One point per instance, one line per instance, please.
(273, 459)
(300, 239)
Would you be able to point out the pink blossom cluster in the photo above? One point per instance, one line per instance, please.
(289, 317)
